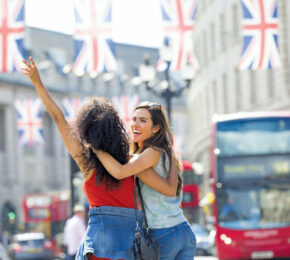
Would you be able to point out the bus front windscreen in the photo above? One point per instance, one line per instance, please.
(254, 207)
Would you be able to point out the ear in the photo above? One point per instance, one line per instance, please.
(156, 128)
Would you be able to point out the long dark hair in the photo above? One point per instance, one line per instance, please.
(100, 127)
(162, 140)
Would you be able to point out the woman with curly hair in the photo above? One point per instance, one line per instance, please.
(112, 220)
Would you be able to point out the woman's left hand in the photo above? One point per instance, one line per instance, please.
(31, 71)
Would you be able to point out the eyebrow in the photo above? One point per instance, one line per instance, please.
(141, 117)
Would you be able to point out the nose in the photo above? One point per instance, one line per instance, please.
(134, 123)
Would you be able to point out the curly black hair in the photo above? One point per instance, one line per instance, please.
(100, 127)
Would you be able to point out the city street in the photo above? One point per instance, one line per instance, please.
(206, 83)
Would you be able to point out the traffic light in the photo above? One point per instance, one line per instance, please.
(11, 217)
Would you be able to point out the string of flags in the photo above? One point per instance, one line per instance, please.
(30, 122)
(94, 48)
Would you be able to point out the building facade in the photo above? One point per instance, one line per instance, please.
(219, 87)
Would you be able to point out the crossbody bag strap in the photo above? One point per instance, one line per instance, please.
(142, 204)
(135, 204)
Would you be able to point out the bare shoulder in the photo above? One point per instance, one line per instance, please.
(151, 151)
(152, 154)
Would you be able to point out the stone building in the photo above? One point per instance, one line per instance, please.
(219, 87)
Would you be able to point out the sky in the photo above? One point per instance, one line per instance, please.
(136, 22)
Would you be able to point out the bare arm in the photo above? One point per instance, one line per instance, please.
(71, 142)
(138, 163)
(166, 186)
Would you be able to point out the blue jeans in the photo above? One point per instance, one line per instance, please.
(110, 233)
(176, 243)
(70, 257)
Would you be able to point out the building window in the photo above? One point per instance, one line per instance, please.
(225, 93)
(271, 86)
(212, 35)
(253, 86)
(48, 127)
(205, 47)
(2, 129)
(238, 90)
(223, 32)
(215, 97)
(203, 4)
(235, 23)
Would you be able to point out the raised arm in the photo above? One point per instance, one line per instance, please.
(138, 163)
(166, 186)
(71, 142)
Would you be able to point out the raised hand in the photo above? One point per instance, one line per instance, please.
(31, 71)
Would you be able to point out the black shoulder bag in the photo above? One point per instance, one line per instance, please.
(145, 247)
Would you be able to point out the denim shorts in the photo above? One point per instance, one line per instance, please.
(176, 243)
(110, 233)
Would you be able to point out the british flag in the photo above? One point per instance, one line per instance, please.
(29, 121)
(178, 25)
(72, 106)
(11, 35)
(125, 106)
(94, 48)
(260, 35)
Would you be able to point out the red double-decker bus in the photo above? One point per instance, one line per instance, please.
(47, 213)
(251, 183)
(190, 192)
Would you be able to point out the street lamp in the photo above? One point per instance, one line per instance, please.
(148, 74)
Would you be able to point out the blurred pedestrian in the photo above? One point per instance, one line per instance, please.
(112, 220)
(74, 230)
(5, 238)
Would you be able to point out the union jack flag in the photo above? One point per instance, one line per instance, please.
(125, 106)
(94, 48)
(11, 35)
(72, 106)
(178, 24)
(260, 35)
(29, 122)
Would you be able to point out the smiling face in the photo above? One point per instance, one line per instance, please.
(142, 126)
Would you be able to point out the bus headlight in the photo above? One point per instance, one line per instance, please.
(227, 240)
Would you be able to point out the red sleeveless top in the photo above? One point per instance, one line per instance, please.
(97, 195)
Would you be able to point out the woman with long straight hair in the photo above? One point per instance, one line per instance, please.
(151, 146)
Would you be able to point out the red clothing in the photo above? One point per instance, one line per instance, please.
(97, 195)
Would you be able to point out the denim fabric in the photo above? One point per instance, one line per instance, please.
(176, 243)
(110, 233)
(70, 257)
